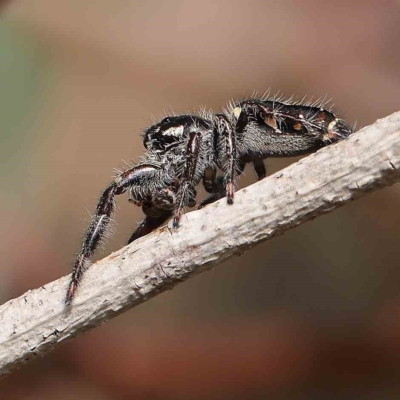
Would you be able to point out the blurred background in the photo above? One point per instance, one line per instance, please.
(313, 314)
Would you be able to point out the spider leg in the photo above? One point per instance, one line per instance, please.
(230, 174)
(209, 179)
(192, 155)
(217, 189)
(150, 223)
(217, 192)
(229, 165)
(259, 169)
(102, 218)
(213, 185)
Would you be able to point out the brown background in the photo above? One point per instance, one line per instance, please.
(312, 314)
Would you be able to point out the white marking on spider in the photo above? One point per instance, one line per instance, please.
(175, 131)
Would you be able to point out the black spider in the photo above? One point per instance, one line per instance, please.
(184, 150)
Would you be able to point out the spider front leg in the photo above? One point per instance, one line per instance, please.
(188, 180)
(139, 175)
(94, 234)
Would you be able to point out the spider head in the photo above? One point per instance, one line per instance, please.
(171, 132)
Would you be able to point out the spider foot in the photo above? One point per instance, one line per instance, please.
(230, 191)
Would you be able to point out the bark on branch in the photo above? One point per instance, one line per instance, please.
(34, 323)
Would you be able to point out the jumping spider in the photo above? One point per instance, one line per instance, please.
(184, 150)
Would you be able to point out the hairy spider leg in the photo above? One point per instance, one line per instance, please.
(224, 129)
(187, 185)
(93, 236)
(101, 220)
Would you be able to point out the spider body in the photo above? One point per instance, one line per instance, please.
(184, 150)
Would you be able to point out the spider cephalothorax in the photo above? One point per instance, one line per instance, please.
(187, 149)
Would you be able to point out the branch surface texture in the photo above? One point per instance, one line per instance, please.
(35, 322)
